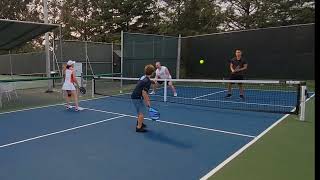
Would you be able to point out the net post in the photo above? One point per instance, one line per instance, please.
(165, 91)
(302, 102)
(93, 84)
(178, 58)
(11, 66)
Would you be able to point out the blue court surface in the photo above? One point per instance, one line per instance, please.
(100, 142)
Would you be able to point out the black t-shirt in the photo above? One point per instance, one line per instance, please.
(144, 83)
(238, 63)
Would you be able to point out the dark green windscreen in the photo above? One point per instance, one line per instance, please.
(98, 54)
(272, 53)
(142, 49)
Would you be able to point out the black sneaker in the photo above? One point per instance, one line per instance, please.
(228, 96)
(141, 130)
(241, 97)
(143, 125)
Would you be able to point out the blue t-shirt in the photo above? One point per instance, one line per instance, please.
(144, 83)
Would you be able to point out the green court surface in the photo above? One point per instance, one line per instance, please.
(286, 152)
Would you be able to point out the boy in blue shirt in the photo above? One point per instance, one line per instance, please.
(140, 94)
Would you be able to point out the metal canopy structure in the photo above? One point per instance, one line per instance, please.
(15, 33)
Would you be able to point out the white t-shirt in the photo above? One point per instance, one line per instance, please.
(161, 74)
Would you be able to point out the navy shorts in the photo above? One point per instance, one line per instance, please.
(139, 105)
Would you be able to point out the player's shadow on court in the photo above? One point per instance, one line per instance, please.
(163, 139)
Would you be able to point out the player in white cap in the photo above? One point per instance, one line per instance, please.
(68, 85)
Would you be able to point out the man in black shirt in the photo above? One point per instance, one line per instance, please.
(140, 94)
(237, 67)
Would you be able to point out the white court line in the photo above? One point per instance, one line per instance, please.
(174, 123)
(53, 105)
(230, 158)
(209, 94)
(59, 132)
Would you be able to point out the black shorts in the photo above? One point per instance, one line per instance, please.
(161, 82)
(236, 77)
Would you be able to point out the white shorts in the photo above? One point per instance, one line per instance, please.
(68, 87)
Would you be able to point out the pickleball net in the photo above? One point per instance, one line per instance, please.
(287, 97)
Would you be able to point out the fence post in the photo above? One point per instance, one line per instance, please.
(178, 58)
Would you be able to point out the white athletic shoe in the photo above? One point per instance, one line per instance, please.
(175, 94)
(68, 107)
(152, 92)
(79, 109)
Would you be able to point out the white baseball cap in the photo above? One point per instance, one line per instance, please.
(69, 63)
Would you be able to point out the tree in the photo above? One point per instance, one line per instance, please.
(190, 17)
(100, 20)
(18, 10)
(79, 19)
(131, 15)
(248, 14)
(170, 11)
(54, 11)
(288, 12)
(243, 14)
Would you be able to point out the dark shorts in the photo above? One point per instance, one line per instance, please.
(161, 82)
(139, 106)
(236, 77)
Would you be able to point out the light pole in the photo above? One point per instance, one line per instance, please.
(45, 13)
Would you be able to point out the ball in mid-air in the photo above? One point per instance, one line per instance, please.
(201, 61)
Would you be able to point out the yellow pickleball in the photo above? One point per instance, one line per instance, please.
(201, 61)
